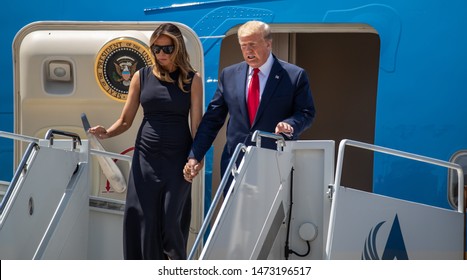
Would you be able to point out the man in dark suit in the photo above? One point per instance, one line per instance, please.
(285, 101)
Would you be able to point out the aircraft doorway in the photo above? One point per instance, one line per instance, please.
(342, 62)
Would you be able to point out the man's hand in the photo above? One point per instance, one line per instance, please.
(285, 129)
(191, 169)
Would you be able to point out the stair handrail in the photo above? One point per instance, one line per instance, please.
(375, 148)
(230, 168)
(258, 134)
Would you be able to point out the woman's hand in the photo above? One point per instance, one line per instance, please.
(191, 169)
(99, 131)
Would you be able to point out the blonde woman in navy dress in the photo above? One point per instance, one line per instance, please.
(158, 203)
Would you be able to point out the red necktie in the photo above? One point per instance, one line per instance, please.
(253, 96)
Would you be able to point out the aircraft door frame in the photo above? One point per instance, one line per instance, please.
(58, 74)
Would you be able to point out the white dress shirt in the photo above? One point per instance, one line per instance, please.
(263, 75)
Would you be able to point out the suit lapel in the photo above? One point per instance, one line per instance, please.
(240, 81)
(270, 87)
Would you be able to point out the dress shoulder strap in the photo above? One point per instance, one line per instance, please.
(144, 74)
(191, 74)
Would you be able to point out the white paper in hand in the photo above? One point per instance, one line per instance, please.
(109, 168)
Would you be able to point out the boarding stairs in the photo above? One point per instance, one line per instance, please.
(46, 210)
(282, 204)
(288, 204)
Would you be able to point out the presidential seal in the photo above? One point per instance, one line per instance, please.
(117, 62)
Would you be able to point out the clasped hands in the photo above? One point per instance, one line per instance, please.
(191, 169)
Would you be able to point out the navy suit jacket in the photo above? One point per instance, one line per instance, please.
(286, 98)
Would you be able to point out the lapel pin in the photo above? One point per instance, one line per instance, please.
(277, 77)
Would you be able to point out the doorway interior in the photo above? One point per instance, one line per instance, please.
(342, 62)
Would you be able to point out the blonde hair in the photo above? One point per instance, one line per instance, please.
(179, 57)
(255, 26)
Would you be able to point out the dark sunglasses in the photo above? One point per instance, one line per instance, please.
(169, 49)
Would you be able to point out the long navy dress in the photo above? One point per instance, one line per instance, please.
(158, 204)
